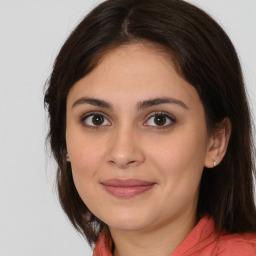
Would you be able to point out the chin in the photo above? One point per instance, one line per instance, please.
(128, 222)
(128, 226)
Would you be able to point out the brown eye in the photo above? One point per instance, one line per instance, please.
(95, 120)
(160, 120)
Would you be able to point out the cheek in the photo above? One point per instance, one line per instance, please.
(86, 156)
(180, 156)
(84, 151)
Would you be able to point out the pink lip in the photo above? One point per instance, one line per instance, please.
(127, 188)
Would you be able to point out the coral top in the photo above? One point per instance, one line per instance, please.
(201, 241)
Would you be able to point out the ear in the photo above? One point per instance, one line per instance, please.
(218, 143)
(66, 155)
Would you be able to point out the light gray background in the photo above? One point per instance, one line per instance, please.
(31, 33)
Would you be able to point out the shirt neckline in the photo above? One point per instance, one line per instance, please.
(202, 234)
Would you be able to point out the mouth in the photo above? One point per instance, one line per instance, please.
(127, 188)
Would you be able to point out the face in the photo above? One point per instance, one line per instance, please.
(137, 140)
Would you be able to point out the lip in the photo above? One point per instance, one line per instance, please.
(128, 187)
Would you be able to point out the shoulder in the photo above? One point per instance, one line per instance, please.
(203, 240)
(236, 245)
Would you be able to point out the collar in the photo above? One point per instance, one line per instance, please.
(203, 232)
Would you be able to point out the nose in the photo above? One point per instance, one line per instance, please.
(125, 148)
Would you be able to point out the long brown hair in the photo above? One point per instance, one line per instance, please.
(204, 56)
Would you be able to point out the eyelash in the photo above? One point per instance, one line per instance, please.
(91, 115)
(167, 116)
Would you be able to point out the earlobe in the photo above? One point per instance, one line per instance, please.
(66, 156)
(218, 144)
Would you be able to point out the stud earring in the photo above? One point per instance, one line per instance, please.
(67, 158)
(214, 163)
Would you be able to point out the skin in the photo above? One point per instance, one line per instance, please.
(130, 144)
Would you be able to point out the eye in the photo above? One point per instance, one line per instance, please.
(160, 120)
(95, 120)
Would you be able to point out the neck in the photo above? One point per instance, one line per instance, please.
(159, 240)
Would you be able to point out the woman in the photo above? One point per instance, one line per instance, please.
(150, 127)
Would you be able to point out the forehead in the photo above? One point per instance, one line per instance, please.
(130, 72)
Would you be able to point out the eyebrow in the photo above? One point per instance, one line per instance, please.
(157, 101)
(94, 102)
(140, 105)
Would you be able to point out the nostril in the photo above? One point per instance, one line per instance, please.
(112, 162)
(131, 162)
(123, 164)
